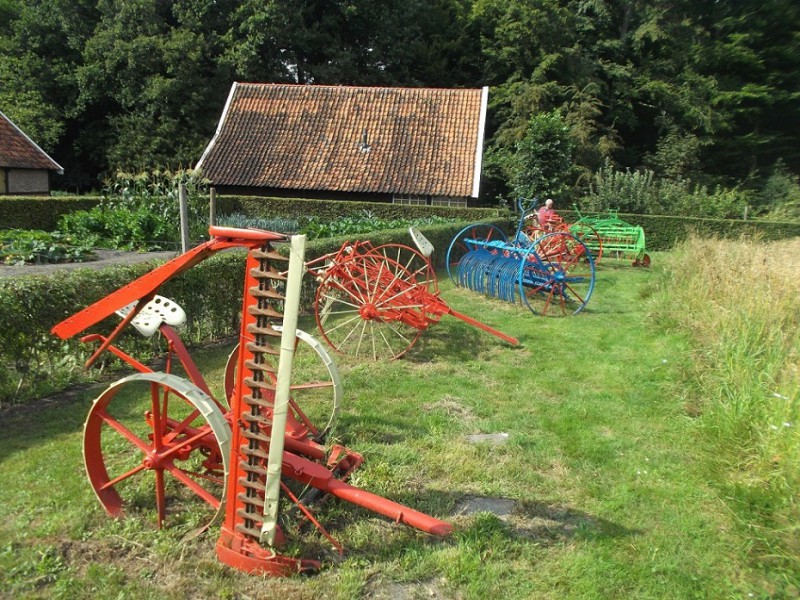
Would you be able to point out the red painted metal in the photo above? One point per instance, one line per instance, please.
(375, 302)
(165, 441)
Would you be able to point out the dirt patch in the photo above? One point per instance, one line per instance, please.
(105, 258)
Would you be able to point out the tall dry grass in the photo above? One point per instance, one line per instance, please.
(739, 301)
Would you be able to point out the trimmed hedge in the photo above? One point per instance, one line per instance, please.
(664, 232)
(292, 208)
(34, 362)
(30, 212)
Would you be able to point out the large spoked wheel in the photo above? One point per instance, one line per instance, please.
(372, 308)
(461, 245)
(556, 275)
(315, 394)
(413, 263)
(156, 442)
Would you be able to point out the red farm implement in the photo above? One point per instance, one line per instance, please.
(375, 301)
(162, 442)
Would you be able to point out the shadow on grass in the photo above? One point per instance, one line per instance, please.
(545, 524)
(456, 341)
(24, 426)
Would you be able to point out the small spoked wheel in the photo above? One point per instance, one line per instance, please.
(556, 275)
(315, 394)
(463, 243)
(644, 261)
(372, 308)
(154, 442)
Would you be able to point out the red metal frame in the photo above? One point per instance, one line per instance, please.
(386, 291)
(304, 460)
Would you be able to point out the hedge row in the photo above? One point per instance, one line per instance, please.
(664, 232)
(30, 212)
(34, 362)
(292, 208)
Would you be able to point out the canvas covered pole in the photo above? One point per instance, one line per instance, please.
(291, 308)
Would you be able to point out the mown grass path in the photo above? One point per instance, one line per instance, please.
(602, 468)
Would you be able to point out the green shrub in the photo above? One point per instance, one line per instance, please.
(330, 210)
(20, 212)
(543, 158)
(316, 228)
(781, 194)
(641, 192)
(142, 211)
(20, 246)
(242, 221)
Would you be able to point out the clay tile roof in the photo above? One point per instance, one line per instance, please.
(352, 139)
(18, 151)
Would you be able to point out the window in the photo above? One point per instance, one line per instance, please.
(449, 201)
(410, 200)
(420, 200)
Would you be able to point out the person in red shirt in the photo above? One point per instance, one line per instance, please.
(546, 214)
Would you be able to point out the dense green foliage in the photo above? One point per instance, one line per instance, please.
(20, 212)
(316, 228)
(326, 210)
(141, 212)
(699, 92)
(20, 246)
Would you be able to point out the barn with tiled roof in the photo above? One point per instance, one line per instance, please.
(405, 145)
(24, 167)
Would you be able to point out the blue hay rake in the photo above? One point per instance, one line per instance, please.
(552, 274)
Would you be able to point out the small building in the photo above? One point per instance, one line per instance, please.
(24, 167)
(402, 145)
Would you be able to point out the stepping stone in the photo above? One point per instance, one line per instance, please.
(488, 438)
(500, 507)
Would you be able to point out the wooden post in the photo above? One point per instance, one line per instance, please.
(212, 206)
(184, 207)
(745, 211)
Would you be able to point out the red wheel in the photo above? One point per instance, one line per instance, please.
(371, 307)
(412, 262)
(156, 442)
(589, 236)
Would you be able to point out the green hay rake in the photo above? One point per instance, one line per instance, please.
(617, 238)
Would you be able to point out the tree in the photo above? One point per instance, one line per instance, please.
(543, 158)
(151, 73)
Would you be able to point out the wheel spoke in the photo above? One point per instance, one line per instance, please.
(123, 477)
(195, 487)
(166, 434)
(124, 431)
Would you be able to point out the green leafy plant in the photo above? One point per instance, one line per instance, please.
(644, 193)
(142, 211)
(543, 158)
(241, 221)
(20, 246)
(316, 227)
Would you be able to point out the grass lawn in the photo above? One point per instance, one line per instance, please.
(602, 470)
